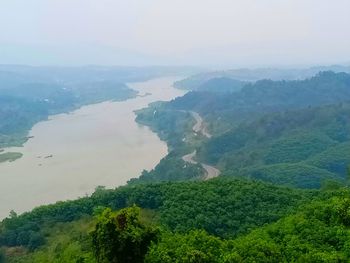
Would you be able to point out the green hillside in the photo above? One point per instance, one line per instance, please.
(244, 74)
(221, 220)
(266, 96)
(310, 138)
(283, 150)
(223, 207)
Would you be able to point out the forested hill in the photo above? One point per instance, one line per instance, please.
(301, 148)
(220, 220)
(269, 96)
(222, 207)
(294, 133)
(222, 85)
(194, 82)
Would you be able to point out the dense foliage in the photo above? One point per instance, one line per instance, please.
(286, 132)
(266, 96)
(170, 169)
(299, 148)
(171, 126)
(174, 127)
(242, 205)
(221, 84)
(194, 246)
(318, 232)
(122, 238)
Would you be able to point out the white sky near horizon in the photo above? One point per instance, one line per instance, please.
(208, 32)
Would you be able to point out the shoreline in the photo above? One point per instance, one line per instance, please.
(98, 154)
(20, 141)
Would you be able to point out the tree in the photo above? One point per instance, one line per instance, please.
(196, 246)
(122, 237)
(2, 257)
(35, 240)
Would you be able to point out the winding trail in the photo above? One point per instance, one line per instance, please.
(199, 127)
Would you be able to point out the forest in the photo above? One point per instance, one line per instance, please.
(293, 133)
(242, 75)
(220, 220)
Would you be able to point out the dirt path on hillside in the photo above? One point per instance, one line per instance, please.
(199, 127)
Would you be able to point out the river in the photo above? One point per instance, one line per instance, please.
(70, 154)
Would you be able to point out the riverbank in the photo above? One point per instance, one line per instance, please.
(99, 144)
(184, 131)
(23, 106)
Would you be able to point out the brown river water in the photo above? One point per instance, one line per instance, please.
(70, 154)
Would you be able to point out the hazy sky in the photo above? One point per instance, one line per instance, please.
(208, 32)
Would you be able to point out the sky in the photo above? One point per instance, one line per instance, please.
(217, 33)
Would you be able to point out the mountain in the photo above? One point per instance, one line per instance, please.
(252, 75)
(293, 133)
(221, 85)
(266, 96)
(286, 147)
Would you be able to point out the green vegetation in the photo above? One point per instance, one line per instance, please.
(298, 148)
(17, 117)
(222, 85)
(194, 246)
(286, 132)
(171, 126)
(271, 140)
(294, 175)
(170, 168)
(242, 206)
(216, 84)
(195, 81)
(264, 223)
(224, 207)
(174, 127)
(65, 242)
(122, 237)
(266, 96)
(318, 233)
(9, 156)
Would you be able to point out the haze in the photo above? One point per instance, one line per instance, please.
(196, 32)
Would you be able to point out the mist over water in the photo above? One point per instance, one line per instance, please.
(70, 154)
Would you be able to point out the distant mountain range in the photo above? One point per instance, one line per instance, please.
(251, 75)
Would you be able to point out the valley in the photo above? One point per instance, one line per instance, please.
(174, 131)
(240, 175)
(99, 144)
